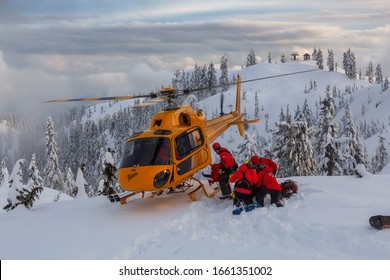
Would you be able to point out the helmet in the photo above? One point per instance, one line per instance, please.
(216, 146)
(255, 159)
(260, 167)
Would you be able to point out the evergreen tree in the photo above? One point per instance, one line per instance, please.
(352, 149)
(52, 173)
(381, 158)
(306, 111)
(378, 74)
(81, 184)
(257, 109)
(109, 173)
(247, 148)
(224, 79)
(283, 59)
(370, 72)
(280, 148)
(296, 154)
(320, 59)
(4, 175)
(15, 186)
(34, 185)
(330, 61)
(329, 157)
(349, 64)
(385, 85)
(251, 59)
(70, 184)
(314, 54)
(211, 76)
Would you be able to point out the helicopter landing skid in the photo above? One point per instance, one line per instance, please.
(122, 198)
(192, 194)
(192, 182)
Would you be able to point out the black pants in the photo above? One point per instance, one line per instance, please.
(242, 199)
(260, 194)
(224, 183)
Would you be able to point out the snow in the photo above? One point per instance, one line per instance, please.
(326, 220)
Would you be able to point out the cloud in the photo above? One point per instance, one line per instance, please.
(90, 47)
(23, 92)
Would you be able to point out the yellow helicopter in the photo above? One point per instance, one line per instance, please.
(165, 158)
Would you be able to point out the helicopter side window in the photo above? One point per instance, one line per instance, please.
(188, 142)
(185, 144)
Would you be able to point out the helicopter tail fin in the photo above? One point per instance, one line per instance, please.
(240, 125)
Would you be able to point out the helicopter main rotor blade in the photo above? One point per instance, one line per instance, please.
(168, 93)
(124, 97)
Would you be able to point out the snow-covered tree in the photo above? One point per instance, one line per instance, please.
(330, 61)
(70, 184)
(109, 173)
(251, 58)
(319, 59)
(224, 79)
(16, 186)
(211, 76)
(257, 109)
(247, 148)
(52, 173)
(370, 72)
(378, 74)
(294, 150)
(81, 184)
(385, 85)
(349, 64)
(4, 175)
(352, 148)
(307, 112)
(34, 185)
(330, 159)
(381, 158)
(283, 59)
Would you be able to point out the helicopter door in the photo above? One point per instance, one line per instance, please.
(190, 142)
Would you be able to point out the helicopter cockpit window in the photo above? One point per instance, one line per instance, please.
(147, 151)
(188, 142)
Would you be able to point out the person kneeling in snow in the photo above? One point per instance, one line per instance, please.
(245, 179)
(266, 184)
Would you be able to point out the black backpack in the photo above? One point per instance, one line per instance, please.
(243, 182)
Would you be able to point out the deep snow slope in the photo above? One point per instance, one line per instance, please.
(328, 219)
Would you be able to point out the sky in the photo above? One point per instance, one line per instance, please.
(66, 49)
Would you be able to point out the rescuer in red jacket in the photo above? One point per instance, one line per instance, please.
(245, 179)
(266, 161)
(267, 184)
(225, 169)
